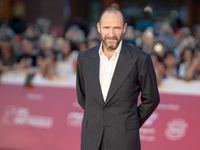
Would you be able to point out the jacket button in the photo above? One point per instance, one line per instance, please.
(101, 126)
(104, 108)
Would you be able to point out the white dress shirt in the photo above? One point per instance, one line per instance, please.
(107, 68)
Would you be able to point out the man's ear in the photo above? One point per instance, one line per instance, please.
(124, 29)
(98, 27)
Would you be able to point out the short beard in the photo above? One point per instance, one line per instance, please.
(112, 47)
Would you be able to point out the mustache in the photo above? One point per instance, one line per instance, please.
(111, 38)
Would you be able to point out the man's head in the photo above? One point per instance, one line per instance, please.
(111, 26)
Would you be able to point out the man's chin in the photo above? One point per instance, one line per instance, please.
(111, 48)
(111, 45)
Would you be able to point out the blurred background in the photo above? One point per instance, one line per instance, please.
(39, 44)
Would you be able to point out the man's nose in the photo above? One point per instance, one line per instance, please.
(111, 33)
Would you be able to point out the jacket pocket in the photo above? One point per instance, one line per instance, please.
(132, 124)
(84, 123)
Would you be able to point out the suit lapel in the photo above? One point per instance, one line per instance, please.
(93, 75)
(124, 65)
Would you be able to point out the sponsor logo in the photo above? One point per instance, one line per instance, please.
(176, 129)
(147, 138)
(20, 117)
(74, 119)
(34, 96)
(151, 120)
(171, 107)
(147, 133)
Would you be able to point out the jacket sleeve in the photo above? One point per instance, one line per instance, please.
(80, 90)
(149, 90)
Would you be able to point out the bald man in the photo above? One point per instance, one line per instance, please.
(110, 78)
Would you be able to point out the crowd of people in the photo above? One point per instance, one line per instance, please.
(39, 49)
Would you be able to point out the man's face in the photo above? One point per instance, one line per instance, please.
(111, 29)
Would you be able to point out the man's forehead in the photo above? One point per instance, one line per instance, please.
(111, 16)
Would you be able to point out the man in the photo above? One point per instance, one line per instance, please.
(109, 80)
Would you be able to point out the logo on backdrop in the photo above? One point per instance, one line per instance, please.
(151, 119)
(147, 132)
(74, 119)
(176, 129)
(20, 117)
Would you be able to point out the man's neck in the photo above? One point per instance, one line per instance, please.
(108, 52)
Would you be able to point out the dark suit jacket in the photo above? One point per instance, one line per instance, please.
(118, 119)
